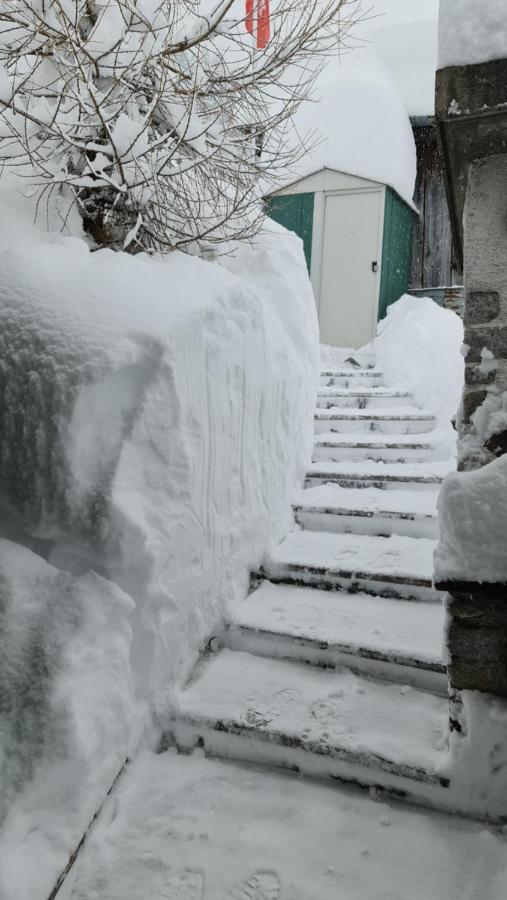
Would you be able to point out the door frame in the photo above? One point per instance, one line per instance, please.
(318, 239)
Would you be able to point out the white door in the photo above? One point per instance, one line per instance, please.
(349, 284)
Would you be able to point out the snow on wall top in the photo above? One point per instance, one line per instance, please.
(359, 124)
(471, 32)
(473, 524)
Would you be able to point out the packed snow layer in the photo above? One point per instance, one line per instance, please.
(356, 122)
(68, 716)
(473, 525)
(418, 348)
(156, 417)
(471, 32)
(196, 828)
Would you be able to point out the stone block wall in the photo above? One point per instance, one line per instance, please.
(485, 276)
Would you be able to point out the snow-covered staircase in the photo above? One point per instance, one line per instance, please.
(333, 665)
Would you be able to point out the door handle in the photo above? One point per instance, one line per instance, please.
(374, 266)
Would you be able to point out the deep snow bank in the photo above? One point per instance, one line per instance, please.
(418, 347)
(156, 416)
(68, 716)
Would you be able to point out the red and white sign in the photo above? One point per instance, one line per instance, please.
(257, 21)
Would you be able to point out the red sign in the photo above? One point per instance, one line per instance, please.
(257, 21)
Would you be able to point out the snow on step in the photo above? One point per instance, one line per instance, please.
(319, 721)
(390, 566)
(368, 473)
(363, 398)
(402, 420)
(329, 507)
(350, 377)
(383, 638)
(381, 448)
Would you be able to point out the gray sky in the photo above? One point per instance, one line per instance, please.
(404, 33)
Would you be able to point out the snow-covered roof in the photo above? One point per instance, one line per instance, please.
(361, 124)
(471, 32)
(405, 35)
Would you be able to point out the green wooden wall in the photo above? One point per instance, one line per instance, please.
(396, 251)
(295, 212)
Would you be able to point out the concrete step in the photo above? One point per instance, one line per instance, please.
(389, 448)
(403, 420)
(363, 398)
(321, 722)
(390, 640)
(349, 377)
(329, 507)
(399, 567)
(383, 476)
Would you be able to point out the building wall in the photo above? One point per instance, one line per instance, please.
(396, 251)
(432, 249)
(485, 254)
(295, 212)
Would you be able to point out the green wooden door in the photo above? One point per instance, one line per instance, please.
(396, 251)
(295, 212)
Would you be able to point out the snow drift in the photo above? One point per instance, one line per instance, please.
(156, 415)
(418, 347)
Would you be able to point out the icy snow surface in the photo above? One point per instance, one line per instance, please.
(196, 829)
(362, 126)
(473, 525)
(471, 32)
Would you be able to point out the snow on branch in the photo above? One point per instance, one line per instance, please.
(161, 121)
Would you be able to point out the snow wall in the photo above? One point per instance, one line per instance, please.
(156, 415)
(418, 347)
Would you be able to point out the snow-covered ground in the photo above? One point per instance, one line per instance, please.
(186, 828)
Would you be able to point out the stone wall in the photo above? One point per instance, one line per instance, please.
(485, 275)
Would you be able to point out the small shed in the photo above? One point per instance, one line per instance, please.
(357, 237)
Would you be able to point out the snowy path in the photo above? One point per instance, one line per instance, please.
(341, 674)
(329, 669)
(187, 828)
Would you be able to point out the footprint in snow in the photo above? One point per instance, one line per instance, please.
(260, 886)
(187, 884)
